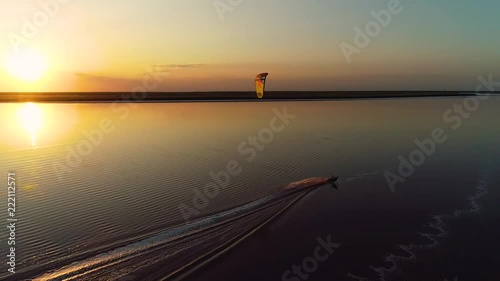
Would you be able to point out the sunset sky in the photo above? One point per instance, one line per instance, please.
(95, 45)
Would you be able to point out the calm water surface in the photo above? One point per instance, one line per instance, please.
(96, 181)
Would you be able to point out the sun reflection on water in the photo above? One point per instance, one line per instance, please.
(33, 126)
(30, 117)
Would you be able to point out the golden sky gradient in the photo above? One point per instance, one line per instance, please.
(110, 46)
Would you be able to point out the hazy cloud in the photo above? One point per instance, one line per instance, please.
(157, 68)
(93, 76)
(95, 82)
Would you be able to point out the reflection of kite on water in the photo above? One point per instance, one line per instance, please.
(260, 84)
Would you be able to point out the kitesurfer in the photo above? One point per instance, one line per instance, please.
(332, 181)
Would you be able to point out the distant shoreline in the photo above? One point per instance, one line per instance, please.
(224, 96)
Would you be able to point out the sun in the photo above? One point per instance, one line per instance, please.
(26, 65)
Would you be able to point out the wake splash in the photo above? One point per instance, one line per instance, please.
(439, 224)
(183, 246)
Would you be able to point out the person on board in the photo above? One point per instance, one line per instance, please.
(332, 181)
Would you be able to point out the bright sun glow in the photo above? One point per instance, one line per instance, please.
(26, 65)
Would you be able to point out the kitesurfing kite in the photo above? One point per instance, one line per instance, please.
(260, 84)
